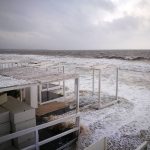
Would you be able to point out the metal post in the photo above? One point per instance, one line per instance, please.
(63, 69)
(77, 94)
(64, 83)
(59, 71)
(9, 66)
(117, 73)
(47, 86)
(2, 68)
(37, 139)
(99, 89)
(78, 125)
(76, 70)
(64, 88)
(93, 76)
(76, 91)
(40, 94)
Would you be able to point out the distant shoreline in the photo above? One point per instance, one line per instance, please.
(109, 54)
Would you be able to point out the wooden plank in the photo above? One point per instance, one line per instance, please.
(50, 107)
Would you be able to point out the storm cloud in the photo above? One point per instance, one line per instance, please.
(74, 24)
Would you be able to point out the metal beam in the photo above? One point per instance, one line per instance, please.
(16, 87)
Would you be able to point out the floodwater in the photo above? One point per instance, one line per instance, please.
(120, 123)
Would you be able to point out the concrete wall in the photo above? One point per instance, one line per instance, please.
(5, 127)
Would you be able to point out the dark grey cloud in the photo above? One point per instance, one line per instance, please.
(76, 24)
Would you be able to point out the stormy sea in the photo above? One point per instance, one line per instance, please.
(137, 54)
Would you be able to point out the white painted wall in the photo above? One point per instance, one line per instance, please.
(31, 96)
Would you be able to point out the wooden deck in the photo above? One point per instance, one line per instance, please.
(50, 107)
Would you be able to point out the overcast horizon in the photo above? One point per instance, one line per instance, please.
(74, 25)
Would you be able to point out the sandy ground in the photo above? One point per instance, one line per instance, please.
(122, 122)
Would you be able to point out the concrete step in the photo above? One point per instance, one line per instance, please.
(24, 125)
(19, 111)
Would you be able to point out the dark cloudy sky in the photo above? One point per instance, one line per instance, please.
(75, 24)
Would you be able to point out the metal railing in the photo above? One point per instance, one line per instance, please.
(36, 129)
(9, 65)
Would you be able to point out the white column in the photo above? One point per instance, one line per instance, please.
(34, 96)
(59, 70)
(31, 96)
(64, 92)
(93, 76)
(64, 83)
(77, 94)
(99, 89)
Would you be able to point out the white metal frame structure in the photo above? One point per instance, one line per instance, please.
(61, 69)
(99, 69)
(37, 80)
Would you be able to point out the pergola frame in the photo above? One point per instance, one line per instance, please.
(99, 68)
